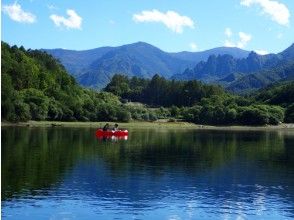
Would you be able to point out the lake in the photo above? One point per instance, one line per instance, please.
(67, 173)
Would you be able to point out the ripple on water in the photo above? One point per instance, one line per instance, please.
(169, 175)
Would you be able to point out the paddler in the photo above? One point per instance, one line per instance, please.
(106, 127)
(115, 128)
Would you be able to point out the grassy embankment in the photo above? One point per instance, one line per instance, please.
(142, 124)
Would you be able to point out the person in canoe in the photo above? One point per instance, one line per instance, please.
(115, 128)
(106, 127)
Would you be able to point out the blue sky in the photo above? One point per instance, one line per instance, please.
(172, 25)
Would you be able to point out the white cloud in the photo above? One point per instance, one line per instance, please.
(193, 46)
(262, 52)
(244, 39)
(241, 43)
(73, 21)
(276, 10)
(170, 19)
(16, 13)
(228, 32)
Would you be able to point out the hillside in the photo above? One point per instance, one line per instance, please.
(94, 68)
(193, 101)
(140, 59)
(203, 55)
(75, 61)
(34, 86)
(277, 94)
(281, 94)
(288, 54)
(245, 74)
(221, 66)
(261, 79)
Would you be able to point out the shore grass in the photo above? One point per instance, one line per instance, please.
(142, 124)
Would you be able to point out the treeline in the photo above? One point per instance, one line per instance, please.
(224, 110)
(216, 110)
(35, 86)
(281, 94)
(196, 102)
(161, 92)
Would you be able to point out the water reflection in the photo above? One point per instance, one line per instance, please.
(158, 174)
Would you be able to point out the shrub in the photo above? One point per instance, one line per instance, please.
(251, 115)
(22, 112)
(123, 115)
(289, 114)
(152, 116)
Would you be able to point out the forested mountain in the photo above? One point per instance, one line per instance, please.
(263, 78)
(140, 59)
(76, 62)
(226, 66)
(242, 75)
(94, 68)
(218, 67)
(35, 86)
(281, 94)
(277, 94)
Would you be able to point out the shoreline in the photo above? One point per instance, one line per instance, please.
(140, 124)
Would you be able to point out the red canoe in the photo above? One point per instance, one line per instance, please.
(100, 133)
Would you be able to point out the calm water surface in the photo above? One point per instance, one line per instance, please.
(66, 173)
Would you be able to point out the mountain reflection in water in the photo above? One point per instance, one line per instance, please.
(155, 174)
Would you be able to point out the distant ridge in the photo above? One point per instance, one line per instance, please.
(203, 55)
(243, 74)
(95, 67)
(228, 66)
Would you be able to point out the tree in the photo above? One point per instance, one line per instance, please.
(289, 114)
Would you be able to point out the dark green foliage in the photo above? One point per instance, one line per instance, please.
(36, 86)
(278, 94)
(261, 114)
(200, 103)
(223, 113)
(281, 94)
(161, 92)
(123, 115)
(174, 111)
(37, 101)
(119, 85)
(289, 114)
(21, 112)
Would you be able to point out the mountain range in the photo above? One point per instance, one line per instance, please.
(223, 65)
(94, 68)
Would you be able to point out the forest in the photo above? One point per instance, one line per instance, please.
(35, 86)
(196, 102)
